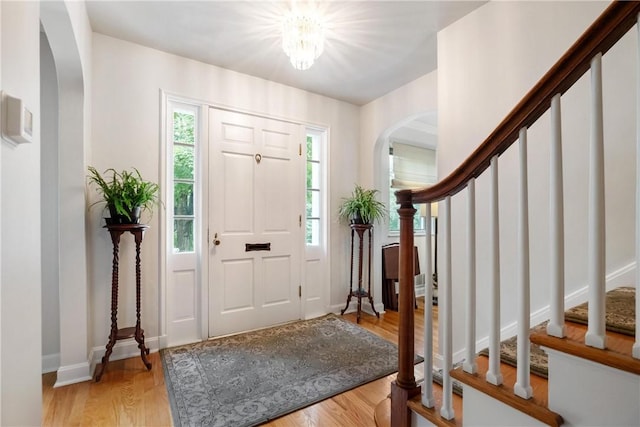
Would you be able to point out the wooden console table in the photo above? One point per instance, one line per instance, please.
(360, 293)
(135, 332)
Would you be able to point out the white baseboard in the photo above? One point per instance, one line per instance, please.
(72, 374)
(124, 349)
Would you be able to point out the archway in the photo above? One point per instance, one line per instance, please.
(67, 164)
(423, 122)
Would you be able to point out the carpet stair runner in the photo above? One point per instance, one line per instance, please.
(620, 321)
(620, 318)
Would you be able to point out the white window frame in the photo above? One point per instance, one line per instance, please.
(181, 331)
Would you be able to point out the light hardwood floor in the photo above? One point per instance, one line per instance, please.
(129, 395)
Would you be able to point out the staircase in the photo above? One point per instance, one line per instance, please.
(594, 375)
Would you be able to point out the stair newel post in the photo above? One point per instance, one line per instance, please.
(522, 387)
(427, 388)
(470, 365)
(555, 326)
(444, 287)
(494, 376)
(595, 336)
(405, 386)
(636, 345)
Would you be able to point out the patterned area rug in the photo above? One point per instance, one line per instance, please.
(620, 311)
(251, 378)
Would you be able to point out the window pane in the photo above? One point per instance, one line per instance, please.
(183, 127)
(182, 162)
(313, 148)
(315, 203)
(183, 235)
(314, 172)
(313, 232)
(182, 198)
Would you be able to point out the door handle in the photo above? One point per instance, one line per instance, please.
(216, 241)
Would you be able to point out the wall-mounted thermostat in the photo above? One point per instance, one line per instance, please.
(17, 123)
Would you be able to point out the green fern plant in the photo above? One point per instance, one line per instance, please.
(124, 192)
(362, 207)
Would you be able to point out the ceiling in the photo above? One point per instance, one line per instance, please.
(372, 47)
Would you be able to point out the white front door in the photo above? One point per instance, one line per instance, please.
(255, 203)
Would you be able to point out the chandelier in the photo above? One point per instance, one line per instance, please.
(302, 39)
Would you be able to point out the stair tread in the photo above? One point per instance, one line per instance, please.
(433, 414)
(536, 407)
(618, 353)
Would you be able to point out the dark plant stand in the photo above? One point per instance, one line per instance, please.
(360, 292)
(135, 332)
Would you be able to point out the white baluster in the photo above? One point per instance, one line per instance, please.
(494, 376)
(444, 294)
(427, 388)
(636, 345)
(470, 364)
(522, 387)
(596, 336)
(555, 326)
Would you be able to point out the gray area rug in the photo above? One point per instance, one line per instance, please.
(251, 378)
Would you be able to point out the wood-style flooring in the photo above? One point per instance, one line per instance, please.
(129, 395)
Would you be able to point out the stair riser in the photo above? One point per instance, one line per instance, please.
(482, 410)
(588, 393)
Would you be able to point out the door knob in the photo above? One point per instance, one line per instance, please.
(216, 241)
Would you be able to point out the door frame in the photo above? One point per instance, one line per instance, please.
(203, 192)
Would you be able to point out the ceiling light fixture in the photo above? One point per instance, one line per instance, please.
(302, 39)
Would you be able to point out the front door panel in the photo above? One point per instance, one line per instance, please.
(254, 207)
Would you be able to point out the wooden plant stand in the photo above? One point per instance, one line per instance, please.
(135, 332)
(360, 293)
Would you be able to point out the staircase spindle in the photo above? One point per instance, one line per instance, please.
(636, 345)
(470, 364)
(596, 336)
(494, 376)
(427, 388)
(522, 387)
(555, 326)
(444, 291)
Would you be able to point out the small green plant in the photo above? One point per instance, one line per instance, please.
(125, 193)
(362, 207)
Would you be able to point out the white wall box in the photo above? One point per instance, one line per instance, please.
(17, 125)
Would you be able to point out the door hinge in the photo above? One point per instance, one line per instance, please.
(207, 235)
(299, 149)
(299, 220)
(300, 291)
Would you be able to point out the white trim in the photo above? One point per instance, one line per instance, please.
(73, 374)
(124, 349)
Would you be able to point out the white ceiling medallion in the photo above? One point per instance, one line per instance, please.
(302, 39)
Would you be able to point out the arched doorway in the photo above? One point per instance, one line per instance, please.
(65, 233)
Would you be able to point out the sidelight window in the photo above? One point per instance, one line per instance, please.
(184, 125)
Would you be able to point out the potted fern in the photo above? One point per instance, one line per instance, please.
(362, 207)
(126, 194)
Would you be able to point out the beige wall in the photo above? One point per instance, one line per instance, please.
(20, 300)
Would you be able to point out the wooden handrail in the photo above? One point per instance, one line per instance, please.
(605, 32)
(610, 26)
